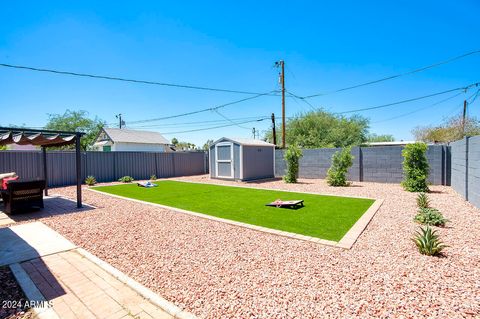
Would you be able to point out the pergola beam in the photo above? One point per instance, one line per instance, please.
(45, 170)
(78, 166)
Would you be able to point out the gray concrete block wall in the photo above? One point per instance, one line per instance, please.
(436, 155)
(474, 170)
(316, 162)
(382, 164)
(459, 166)
(370, 164)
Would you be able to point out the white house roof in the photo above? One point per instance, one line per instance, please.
(133, 136)
(246, 141)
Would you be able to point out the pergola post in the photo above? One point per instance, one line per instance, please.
(78, 162)
(45, 171)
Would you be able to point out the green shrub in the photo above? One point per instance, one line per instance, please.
(341, 162)
(153, 177)
(423, 201)
(126, 179)
(430, 216)
(428, 242)
(90, 180)
(415, 167)
(292, 158)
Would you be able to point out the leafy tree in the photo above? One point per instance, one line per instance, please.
(174, 141)
(372, 137)
(450, 130)
(323, 129)
(415, 167)
(292, 158)
(341, 162)
(77, 121)
(207, 145)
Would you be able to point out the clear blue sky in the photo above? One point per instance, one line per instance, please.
(326, 45)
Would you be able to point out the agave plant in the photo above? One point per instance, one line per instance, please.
(126, 179)
(90, 180)
(428, 242)
(430, 216)
(423, 201)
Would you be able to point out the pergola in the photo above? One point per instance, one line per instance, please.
(44, 139)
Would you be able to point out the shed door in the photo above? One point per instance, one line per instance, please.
(224, 159)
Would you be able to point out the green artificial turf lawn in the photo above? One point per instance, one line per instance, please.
(326, 217)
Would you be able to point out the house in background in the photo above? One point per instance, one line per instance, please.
(16, 147)
(125, 140)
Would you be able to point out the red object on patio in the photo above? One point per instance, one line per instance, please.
(6, 180)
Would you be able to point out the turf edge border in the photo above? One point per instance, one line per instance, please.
(346, 242)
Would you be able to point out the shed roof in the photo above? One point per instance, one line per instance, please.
(133, 136)
(246, 141)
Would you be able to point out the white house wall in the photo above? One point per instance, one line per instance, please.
(137, 147)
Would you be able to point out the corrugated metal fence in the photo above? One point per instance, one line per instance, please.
(105, 166)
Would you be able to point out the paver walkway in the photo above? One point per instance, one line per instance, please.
(49, 268)
(78, 288)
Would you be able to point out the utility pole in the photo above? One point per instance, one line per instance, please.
(253, 131)
(120, 122)
(274, 132)
(464, 117)
(281, 64)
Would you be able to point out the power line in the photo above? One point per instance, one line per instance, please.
(214, 127)
(114, 78)
(408, 100)
(210, 122)
(395, 76)
(234, 123)
(420, 109)
(202, 110)
(297, 97)
(455, 109)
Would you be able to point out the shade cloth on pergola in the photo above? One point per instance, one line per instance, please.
(46, 138)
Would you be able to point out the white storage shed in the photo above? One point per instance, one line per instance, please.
(241, 159)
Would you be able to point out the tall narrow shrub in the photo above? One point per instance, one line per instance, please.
(292, 158)
(415, 167)
(341, 162)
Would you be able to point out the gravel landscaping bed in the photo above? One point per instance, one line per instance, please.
(11, 297)
(216, 270)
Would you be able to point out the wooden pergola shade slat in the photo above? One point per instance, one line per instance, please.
(46, 138)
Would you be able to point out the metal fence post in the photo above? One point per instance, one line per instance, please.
(466, 167)
(360, 164)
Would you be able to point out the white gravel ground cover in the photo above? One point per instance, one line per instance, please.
(216, 270)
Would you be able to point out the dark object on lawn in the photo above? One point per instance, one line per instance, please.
(147, 184)
(23, 195)
(295, 204)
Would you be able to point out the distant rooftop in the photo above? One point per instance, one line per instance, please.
(248, 141)
(134, 136)
(395, 143)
